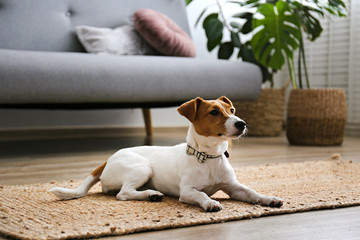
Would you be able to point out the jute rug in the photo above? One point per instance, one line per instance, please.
(30, 212)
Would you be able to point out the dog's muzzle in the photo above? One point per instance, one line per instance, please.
(240, 126)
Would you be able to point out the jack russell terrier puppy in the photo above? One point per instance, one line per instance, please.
(192, 171)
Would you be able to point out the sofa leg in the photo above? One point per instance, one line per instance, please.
(147, 119)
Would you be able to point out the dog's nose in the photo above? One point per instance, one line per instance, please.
(240, 125)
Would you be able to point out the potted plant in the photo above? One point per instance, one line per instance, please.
(265, 115)
(276, 29)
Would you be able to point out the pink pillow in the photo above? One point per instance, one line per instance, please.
(163, 34)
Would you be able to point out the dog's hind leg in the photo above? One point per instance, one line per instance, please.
(130, 193)
(137, 178)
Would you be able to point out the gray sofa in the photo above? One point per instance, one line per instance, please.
(43, 65)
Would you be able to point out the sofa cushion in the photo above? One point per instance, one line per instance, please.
(44, 25)
(163, 34)
(123, 40)
(82, 78)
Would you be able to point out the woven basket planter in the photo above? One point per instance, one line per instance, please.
(265, 116)
(316, 117)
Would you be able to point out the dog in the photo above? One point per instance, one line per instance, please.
(191, 171)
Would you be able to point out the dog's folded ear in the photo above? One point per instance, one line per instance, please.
(190, 108)
(225, 100)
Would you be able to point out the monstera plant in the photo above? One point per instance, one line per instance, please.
(276, 30)
(269, 33)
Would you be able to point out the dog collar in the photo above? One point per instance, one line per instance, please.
(202, 156)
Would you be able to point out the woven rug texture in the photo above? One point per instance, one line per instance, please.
(31, 212)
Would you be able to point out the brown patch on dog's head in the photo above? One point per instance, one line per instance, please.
(190, 108)
(208, 117)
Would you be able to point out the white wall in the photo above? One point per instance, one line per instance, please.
(164, 117)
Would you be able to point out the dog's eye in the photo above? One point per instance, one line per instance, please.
(232, 110)
(214, 113)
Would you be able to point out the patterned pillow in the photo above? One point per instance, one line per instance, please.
(163, 34)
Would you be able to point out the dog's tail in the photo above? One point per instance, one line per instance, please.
(81, 191)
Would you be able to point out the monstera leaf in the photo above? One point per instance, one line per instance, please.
(213, 29)
(277, 34)
(308, 18)
(311, 24)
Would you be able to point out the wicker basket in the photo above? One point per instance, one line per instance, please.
(316, 117)
(265, 116)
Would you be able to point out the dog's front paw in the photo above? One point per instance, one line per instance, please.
(271, 201)
(212, 206)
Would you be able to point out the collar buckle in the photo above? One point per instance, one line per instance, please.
(201, 156)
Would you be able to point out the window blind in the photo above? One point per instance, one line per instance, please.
(333, 60)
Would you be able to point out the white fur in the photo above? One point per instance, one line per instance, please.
(81, 191)
(170, 171)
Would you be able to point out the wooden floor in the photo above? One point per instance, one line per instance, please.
(38, 161)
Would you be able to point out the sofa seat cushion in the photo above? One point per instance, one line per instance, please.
(28, 77)
(163, 34)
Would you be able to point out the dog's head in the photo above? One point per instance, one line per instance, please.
(214, 117)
